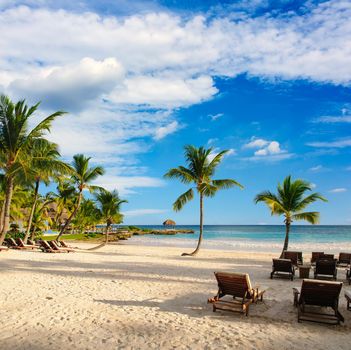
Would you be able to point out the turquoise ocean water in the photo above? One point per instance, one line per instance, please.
(258, 237)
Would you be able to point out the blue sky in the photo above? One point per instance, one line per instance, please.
(267, 80)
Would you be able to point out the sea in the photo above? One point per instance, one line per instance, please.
(327, 238)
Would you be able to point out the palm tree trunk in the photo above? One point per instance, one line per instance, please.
(71, 216)
(2, 215)
(201, 228)
(30, 219)
(286, 241)
(106, 238)
(8, 198)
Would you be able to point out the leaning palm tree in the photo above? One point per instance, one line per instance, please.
(109, 205)
(82, 176)
(201, 166)
(290, 201)
(44, 164)
(15, 140)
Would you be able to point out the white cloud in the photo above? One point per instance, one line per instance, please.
(338, 190)
(142, 212)
(71, 86)
(334, 119)
(313, 185)
(126, 184)
(265, 148)
(214, 117)
(316, 168)
(342, 143)
(164, 92)
(163, 131)
(269, 158)
(216, 150)
(212, 141)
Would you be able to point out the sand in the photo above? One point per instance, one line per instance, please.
(141, 297)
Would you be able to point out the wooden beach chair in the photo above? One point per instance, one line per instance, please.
(63, 244)
(326, 269)
(344, 259)
(21, 244)
(45, 247)
(11, 243)
(54, 246)
(295, 257)
(314, 299)
(315, 257)
(283, 267)
(238, 286)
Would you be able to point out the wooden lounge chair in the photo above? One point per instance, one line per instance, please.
(283, 267)
(11, 243)
(314, 295)
(348, 275)
(33, 242)
(63, 244)
(45, 247)
(238, 286)
(54, 246)
(21, 244)
(295, 257)
(325, 268)
(315, 257)
(344, 259)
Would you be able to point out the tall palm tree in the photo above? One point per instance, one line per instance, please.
(109, 205)
(290, 201)
(44, 163)
(201, 167)
(87, 215)
(15, 141)
(82, 176)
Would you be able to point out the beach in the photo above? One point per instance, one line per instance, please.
(136, 296)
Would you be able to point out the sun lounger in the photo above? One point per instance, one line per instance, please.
(313, 299)
(348, 299)
(11, 243)
(315, 257)
(348, 275)
(283, 267)
(295, 257)
(344, 259)
(238, 286)
(54, 246)
(325, 268)
(21, 244)
(32, 242)
(65, 245)
(45, 247)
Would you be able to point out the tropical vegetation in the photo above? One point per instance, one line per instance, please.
(291, 201)
(201, 166)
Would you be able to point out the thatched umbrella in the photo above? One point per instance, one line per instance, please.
(169, 222)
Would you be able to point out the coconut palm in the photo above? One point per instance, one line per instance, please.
(290, 201)
(201, 167)
(109, 205)
(82, 176)
(87, 216)
(44, 164)
(15, 141)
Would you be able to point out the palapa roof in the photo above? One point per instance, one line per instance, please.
(169, 222)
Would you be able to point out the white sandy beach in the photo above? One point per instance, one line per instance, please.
(141, 297)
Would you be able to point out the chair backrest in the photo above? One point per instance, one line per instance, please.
(12, 242)
(235, 284)
(20, 242)
(327, 257)
(283, 265)
(293, 256)
(64, 244)
(320, 293)
(344, 258)
(54, 245)
(325, 267)
(45, 245)
(316, 256)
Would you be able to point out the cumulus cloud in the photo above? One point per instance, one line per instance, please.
(214, 117)
(71, 86)
(265, 147)
(316, 169)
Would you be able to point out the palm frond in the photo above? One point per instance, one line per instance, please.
(312, 217)
(183, 199)
(226, 183)
(181, 173)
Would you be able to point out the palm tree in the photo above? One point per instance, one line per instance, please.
(15, 141)
(82, 176)
(87, 215)
(44, 163)
(109, 205)
(201, 166)
(290, 202)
